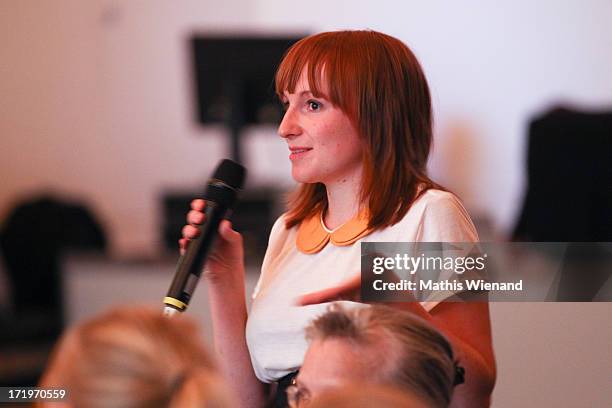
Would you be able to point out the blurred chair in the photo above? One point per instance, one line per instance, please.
(569, 178)
(33, 238)
(569, 197)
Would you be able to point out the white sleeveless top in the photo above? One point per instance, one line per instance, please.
(275, 327)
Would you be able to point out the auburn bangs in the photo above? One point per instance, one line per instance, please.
(329, 68)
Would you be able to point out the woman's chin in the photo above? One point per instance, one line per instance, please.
(301, 177)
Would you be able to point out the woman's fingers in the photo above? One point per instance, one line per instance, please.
(198, 204)
(183, 245)
(195, 217)
(190, 232)
(321, 296)
(349, 290)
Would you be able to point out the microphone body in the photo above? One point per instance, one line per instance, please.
(220, 196)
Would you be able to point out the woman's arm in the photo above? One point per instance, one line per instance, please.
(224, 273)
(468, 327)
(229, 315)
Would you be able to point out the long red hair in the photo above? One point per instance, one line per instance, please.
(378, 83)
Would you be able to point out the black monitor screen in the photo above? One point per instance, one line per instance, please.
(234, 78)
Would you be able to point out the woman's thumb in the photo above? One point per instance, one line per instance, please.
(227, 232)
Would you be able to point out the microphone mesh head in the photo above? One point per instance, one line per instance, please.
(231, 173)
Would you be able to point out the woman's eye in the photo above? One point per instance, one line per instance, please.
(314, 105)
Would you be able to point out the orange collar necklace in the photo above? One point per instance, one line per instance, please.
(313, 236)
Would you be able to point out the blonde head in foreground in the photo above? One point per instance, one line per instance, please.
(135, 358)
(361, 395)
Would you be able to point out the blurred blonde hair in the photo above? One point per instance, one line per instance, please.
(367, 396)
(136, 358)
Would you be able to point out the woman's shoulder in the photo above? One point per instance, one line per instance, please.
(279, 223)
(442, 217)
(435, 200)
(279, 231)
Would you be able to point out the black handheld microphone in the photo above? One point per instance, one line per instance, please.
(220, 196)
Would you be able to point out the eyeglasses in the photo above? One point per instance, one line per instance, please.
(297, 397)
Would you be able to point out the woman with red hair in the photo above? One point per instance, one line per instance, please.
(358, 124)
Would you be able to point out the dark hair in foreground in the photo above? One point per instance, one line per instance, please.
(378, 83)
(402, 349)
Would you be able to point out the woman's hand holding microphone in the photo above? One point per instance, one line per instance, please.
(226, 260)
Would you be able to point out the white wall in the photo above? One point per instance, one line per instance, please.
(95, 96)
(490, 67)
(95, 104)
(552, 354)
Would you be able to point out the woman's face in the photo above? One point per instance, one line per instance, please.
(323, 143)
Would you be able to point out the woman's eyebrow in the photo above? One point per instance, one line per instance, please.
(302, 93)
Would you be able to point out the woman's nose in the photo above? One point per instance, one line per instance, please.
(289, 126)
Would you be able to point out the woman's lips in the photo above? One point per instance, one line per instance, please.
(298, 152)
